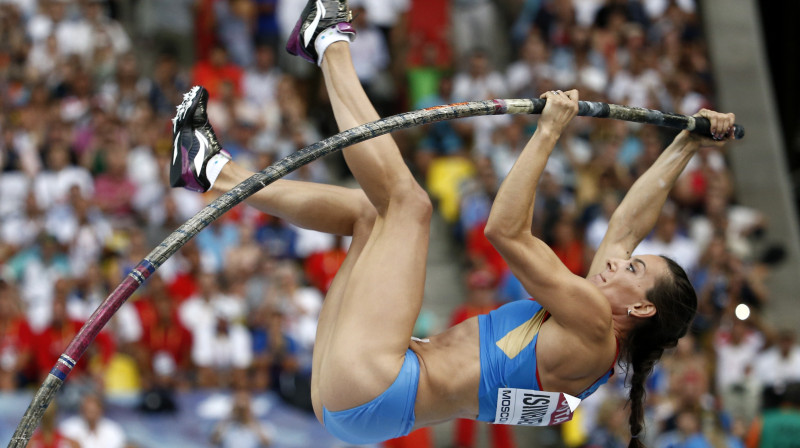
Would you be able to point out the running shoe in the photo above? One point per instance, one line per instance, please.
(194, 142)
(317, 16)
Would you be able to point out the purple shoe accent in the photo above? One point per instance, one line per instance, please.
(346, 28)
(295, 47)
(188, 178)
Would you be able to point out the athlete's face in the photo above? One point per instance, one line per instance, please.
(626, 282)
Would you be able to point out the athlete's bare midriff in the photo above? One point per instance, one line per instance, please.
(450, 371)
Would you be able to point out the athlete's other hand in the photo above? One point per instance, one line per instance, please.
(721, 126)
(560, 109)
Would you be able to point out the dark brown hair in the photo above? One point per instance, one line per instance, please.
(676, 303)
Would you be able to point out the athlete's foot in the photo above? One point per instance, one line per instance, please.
(195, 145)
(318, 16)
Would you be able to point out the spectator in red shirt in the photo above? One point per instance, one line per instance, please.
(163, 334)
(569, 248)
(53, 340)
(15, 340)
(216, 70)
(185, 282)
(320, 267)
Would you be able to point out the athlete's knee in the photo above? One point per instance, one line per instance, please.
(413, 199)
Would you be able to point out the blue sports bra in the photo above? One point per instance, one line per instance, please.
(508, 338)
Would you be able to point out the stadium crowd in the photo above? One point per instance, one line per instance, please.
(87, 90)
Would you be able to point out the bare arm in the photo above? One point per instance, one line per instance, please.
(638, 212)
(542, 274)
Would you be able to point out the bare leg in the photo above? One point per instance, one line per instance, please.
(379, 295)
(325, 208)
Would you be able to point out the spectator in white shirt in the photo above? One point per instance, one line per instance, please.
(737, 346)
(778, 366)
(667, 240)
(91, 429)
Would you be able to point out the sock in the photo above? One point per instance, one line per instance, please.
(214, 167)
(331, 35)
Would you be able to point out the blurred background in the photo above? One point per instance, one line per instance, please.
(215, 349)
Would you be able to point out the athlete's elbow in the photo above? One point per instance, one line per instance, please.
(497, 232)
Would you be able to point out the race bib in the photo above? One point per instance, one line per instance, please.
(534, 407)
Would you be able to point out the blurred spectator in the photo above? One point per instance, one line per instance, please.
(163, 333)
(371, 53)
(104, 30)
(36, 270)
(598, 225)
(260, 82)
(91, 429)
(53, 184)
(266, 21)
(321, 266)
(274, 351)
(688, 433)
(235, 20)
(221, 345)
(737, 345)
(54, 338)
(301, 304)
(736, 222)
(778, 367)
(480, 80)
(168, 25)
(16, 341)
(114, 191)
(241, 428)
(668, 240)
(568, 246)
(217, 70)
(215, 241)
(48, 435)
(778, 428)
(612, 430)
(476, 24)
(477, 195)
(88, 292)
(84, 229)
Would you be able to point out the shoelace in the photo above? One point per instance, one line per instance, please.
(182, 108)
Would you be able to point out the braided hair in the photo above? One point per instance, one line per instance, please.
(676, 303)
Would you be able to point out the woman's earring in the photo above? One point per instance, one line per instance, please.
(629, 312)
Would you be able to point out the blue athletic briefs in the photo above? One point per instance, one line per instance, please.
(389, 415)
(508, 338)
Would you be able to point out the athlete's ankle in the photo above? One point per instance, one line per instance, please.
(330, 38)
(216, 171)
